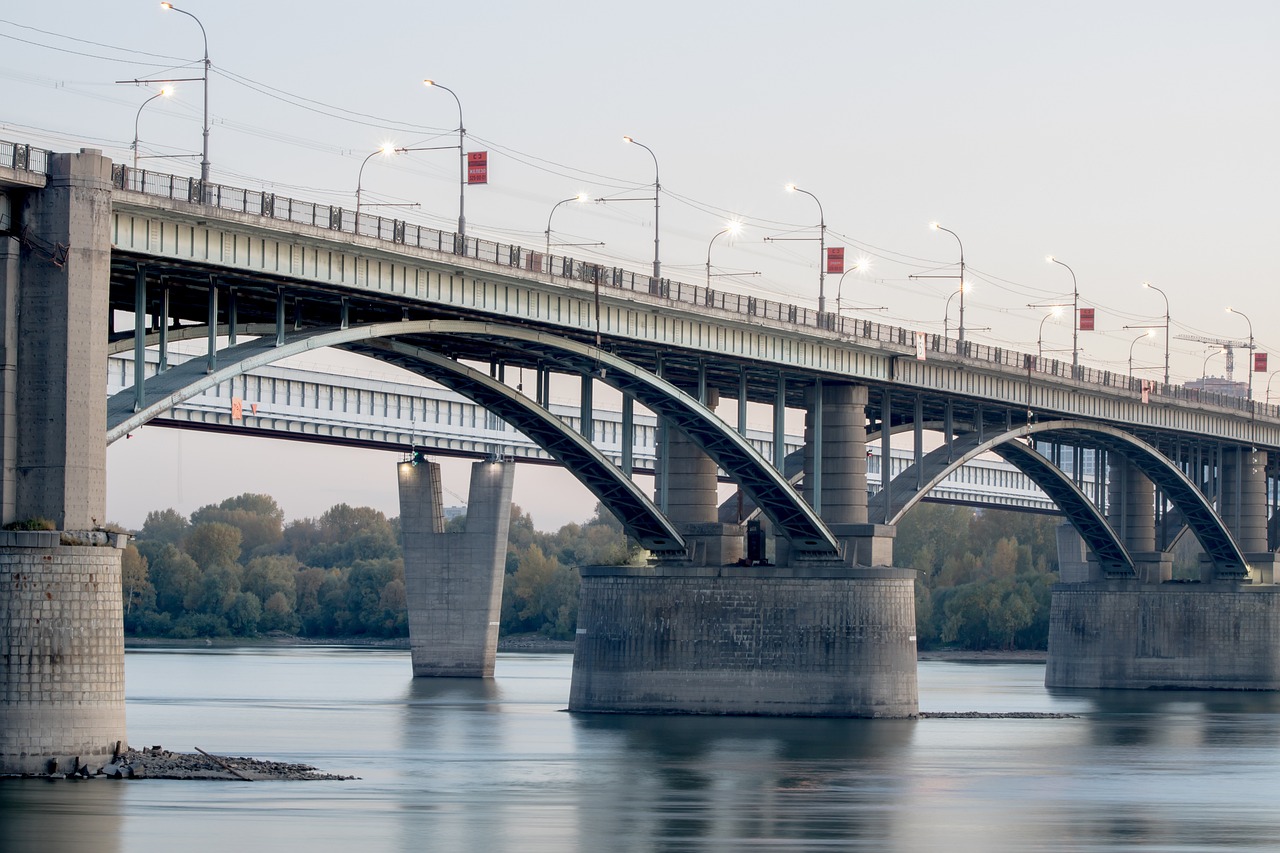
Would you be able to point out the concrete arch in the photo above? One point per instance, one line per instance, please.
(793, 518)
(1215, 539)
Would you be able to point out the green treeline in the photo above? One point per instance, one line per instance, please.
(237, 569)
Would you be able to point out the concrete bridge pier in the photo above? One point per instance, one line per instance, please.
(61, 624)
(1131, 510)
(807, 637)
(453, 581)
(1244, 508)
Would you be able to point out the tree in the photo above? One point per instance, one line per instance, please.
(138, 592)
(258, 518)
(547, 593)
(213, 544)
(164, 526)
(174, 574)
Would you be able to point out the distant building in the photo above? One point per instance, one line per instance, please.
(1219, 385)
(452, 512)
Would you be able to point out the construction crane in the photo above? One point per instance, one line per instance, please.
(1228, 345)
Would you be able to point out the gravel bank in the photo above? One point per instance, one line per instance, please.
(159, 763)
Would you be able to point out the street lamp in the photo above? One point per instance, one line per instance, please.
(859, 265)
(1250, 322)
(387, 149)
(580, 197)
(1204, 368)
(937, 227)
(732, 228)
(1149, 286)
(657, 191)
(946, 313)
(462, 166)
(1269, 378)
(204, 151)
(822, 249)
(165, 91)
(1075, 314)
(1056, 311)
(1148, 333)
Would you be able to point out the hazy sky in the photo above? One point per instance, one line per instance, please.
(1135, 141)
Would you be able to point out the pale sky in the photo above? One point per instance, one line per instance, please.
(1133, 140)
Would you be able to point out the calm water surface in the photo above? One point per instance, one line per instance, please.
(471, 765)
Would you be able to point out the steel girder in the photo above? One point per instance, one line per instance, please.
(793, 518)
(1213, 535)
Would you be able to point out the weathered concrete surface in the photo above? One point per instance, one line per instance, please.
(820, 642)
(62, 646)
(453, 581)
(1120, 634)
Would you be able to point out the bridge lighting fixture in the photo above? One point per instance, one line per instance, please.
(822, 249)
(657, 191)
(1075, 314)
(1149, 286)
(1251, 345)
(937, 226)
(1147, 334)
(862, 264)
(462, 166)
(165, 92)
(732, 229)
(386, 150)
(204, 155)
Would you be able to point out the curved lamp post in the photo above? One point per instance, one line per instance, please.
(580, 197)
(732, 228)
(165, 91)
(1148, 333)
(1250, 366)
(1075, 314)
(657, 191)
(946, 313)
(822, 248)
(204, 151)
(1204, 368)
(1269, 378)
(937, 227)
(858, 265)
(462, 166)
(1149, 286)
(1055, 312)
(387, 150)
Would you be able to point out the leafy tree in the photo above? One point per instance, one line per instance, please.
(258, 518)
(213, 543)
(137, 590)
(548, 592)
(164, 526)
(173, 573)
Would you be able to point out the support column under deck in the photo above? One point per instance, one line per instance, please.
(453, 581)
(693, 497)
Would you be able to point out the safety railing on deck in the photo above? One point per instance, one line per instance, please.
(285, 209)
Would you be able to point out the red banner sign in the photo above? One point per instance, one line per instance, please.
(477, 167)
(835, 260)
(1086, 319)
(1259, 362)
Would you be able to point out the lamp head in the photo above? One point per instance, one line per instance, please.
(934, 225)
(387, 149)
(734, 228)
(1048, 259)
(966, 286)
(167, 91)
(166, 6)
(627, 139)
(1056, 311)
(1146, 284)
(862, 264)
(790, 188)
(583, 197)
(1151, 333)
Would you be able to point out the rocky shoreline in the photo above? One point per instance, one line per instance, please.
(158, 763)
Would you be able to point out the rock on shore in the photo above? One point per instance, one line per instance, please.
(158, 763)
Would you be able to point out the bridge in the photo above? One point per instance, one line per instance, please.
(382, 413)
(821, 623)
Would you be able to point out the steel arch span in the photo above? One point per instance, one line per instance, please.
(903, 491)
(794, 519)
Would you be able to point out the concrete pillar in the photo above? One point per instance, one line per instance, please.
(1244, 507)
(1073, 565)
(61, 626)
(1131, 512)
(843, 456)
(62, 345)
(453, 581)
(693, 502)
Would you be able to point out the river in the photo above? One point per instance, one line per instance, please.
(468, 765)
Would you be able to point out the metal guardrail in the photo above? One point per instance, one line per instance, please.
(24, 158)
(398, 231)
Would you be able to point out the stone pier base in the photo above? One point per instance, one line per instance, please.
(1121, 634)
(61, 653)
(767, 641)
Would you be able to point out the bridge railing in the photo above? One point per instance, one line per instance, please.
(24, 158)
(283, 208)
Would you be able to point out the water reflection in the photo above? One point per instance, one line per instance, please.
(1179, 718)
(748, 779)
(61, 814)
